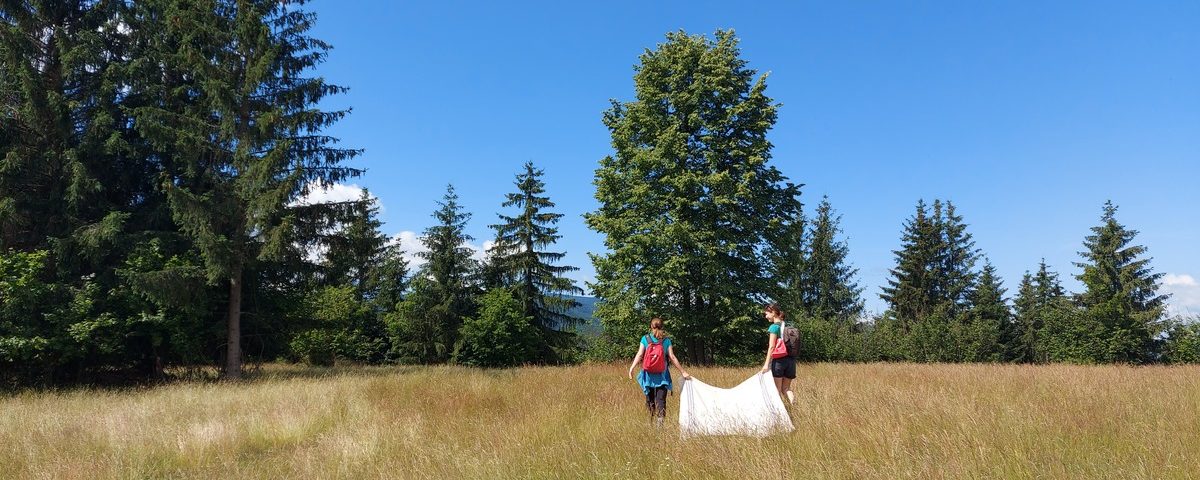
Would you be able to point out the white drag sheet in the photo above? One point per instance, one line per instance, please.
(751, 408)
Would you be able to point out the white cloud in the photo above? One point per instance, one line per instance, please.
(410, 247)
(1185, 293)
(1172, 279)
(338, 192)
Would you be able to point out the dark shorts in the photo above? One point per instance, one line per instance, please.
(783, 367)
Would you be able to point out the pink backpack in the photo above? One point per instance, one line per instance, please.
(654, 361)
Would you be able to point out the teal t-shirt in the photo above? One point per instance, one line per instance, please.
(651, 380)
(774, 328)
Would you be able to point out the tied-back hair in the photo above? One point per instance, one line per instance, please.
(656, 327)
(774, 308)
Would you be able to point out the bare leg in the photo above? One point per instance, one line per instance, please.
(786, 389)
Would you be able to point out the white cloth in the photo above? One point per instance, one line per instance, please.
(751, 408)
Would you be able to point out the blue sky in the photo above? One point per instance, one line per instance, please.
(1027, 115)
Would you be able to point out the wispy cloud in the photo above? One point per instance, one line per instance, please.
(1185, 293)
(338, 192)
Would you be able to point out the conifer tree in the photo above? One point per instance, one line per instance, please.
(934, 267)
(520, 257)
(829, 287)
(910, 292)
(1036, 296)
(244, 132)
(1120, 289)
(425, 325)
(388, 280)
(688, 197)
(55, 111)
(355, 246)
(955, 275)
(990, 318)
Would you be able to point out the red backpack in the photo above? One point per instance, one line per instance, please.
(655, 360)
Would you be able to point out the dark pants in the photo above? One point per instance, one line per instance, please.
(656, 401)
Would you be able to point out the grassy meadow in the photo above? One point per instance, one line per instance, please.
(853, 421)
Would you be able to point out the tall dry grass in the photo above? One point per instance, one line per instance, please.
(853, 421)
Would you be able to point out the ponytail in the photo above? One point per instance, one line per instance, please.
(656, 327)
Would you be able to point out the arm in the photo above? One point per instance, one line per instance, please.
(771, 339)
(636, 358)
(675, 362)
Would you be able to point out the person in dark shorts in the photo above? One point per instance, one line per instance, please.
(655, 385)
(783, 369)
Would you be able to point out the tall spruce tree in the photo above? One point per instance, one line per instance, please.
(243, 127)
(425, 325)
(829, 289)
(355, 245)
(447, 255)
(934, 267)
(990, 324)
(520, 257)
(79, 184)
(955, 275)
(57, 99)
(388, 280)
(687, 198)
(910, 292)
(1036, 296)
(1120, 289)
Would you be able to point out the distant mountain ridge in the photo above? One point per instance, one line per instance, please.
(586, 310)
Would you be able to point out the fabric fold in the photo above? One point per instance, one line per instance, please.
(751, 408)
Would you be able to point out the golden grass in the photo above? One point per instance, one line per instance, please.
(853, 421)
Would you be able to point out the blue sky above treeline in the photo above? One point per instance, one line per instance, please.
(1027, 115)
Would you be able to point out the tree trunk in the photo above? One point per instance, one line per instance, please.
(233, 353)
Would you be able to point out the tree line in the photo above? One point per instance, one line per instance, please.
(154, 161)
(701, 230)
(155, 157)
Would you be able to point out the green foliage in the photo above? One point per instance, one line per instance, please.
(829, 289)
(910, 293)
(23, 295)
(500, 336)
(934, 265)
(241, 123)
(829, 339)
(1036, 295)
(1071, 335)
(687, 197)
(1120, 289)
(519, 260)
(343, 327)
(604, 349)
(1182, 344)
(418, 329)
(424, 327)
(884, 340)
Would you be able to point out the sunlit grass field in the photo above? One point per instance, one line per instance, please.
(853, 421)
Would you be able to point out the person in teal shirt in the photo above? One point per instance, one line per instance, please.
(656, 385)
(783, 370)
